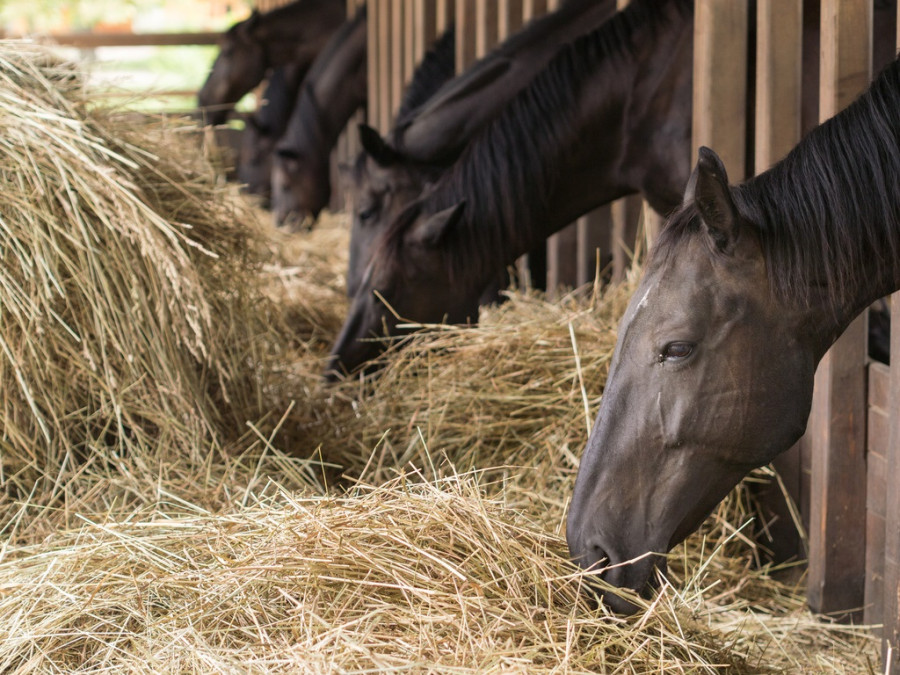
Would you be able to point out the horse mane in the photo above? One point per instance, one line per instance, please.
(827, 215)
(509, 170)
(437, 67)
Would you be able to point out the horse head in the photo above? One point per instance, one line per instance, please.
(711, 377)
(408, 279)
(239, 66)
(381, 183)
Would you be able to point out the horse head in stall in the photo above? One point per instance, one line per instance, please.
(413, 251)
(744, 292)
(434, 125)
(240, 65)
(335, 87)
(294, 33)
(382, 181)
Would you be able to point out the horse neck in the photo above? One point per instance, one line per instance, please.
(575, 155)
(441, 127)
(326, 104)
(297, 31)
(829, 213)
(280, 97)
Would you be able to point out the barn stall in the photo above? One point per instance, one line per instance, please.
(817, 479)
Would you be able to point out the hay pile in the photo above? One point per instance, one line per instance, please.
(161, 352)
(132, 335)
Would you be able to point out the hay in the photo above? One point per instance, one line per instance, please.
(132, 332)
(172, 347)
(428, 577)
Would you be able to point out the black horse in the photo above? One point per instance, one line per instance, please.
(249, 49)
(335, 87)
(745, 290)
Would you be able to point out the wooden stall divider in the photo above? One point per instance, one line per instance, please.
(562, 247)
(779, 71)
(891, 615)
(837, 423)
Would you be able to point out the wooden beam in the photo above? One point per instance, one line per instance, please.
(510, 16)
(891, 564)
(94, 40)
(466, 18)
(486, 20)
(837, 423)
(890, 646)
(383, 56)
(424, 27)
(779, 70)
(720, 81)
(397, 45)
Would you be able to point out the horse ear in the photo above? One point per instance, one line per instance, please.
(430, 231)
(376, 147)
(708, 189)
(246, 27)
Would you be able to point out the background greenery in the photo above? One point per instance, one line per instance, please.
(134, 77)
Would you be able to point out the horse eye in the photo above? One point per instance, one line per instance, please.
(676, 351)
(368, 213)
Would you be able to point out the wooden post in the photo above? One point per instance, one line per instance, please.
(424, 27)
(779, 70)
(562, 247)
(720, 81)
(383, 56)
(509, 17)
(485, 26)
(397, 66)
(837, 422)
(466, 16)
(891, 565)
(891, 633)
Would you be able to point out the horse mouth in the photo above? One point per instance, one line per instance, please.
(621, 585)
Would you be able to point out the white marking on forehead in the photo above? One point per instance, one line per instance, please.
(643, 302)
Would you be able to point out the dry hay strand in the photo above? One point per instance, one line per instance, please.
(131, 329)
(410, 575)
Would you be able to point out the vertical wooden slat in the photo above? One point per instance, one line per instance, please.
(397, 45)
(409, 42)
(424, 27)
(891, 631)
(446, 14)
(891, 563)
(509, 17)
(837, 422)
(534, 8)
(383, 55)
(779, 70)
(486, 18)
(466, 16)
(720, 81)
